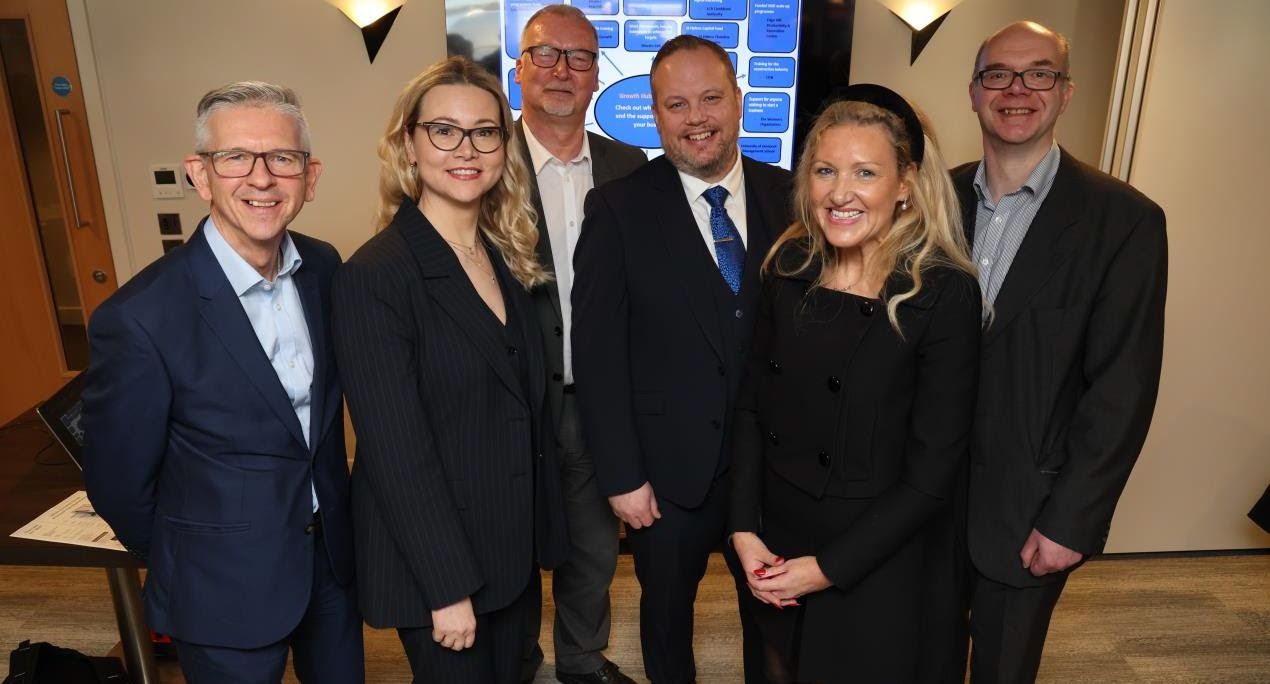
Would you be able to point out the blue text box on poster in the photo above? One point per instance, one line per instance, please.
(516, 14)
(606, 7)
(724, 34)
(767, 150)
(716, 9)
(732, 56)
(607, 32)
(647, 35)
(766, 112)
(772, 72)
(624, 111)
(655, 8)
(773, 25)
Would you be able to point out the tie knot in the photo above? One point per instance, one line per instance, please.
(715, 196)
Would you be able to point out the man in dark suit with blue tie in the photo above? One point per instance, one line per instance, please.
(213, 413)
(665, 290)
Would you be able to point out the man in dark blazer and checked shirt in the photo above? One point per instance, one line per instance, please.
(664, 294)
(558, 72)
(1073, 264)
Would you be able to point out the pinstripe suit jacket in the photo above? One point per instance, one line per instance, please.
(452, 485)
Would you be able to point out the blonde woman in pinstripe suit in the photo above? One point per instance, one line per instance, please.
(455, 496)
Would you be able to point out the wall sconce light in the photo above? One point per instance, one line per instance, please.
(923, 17)
(373, 17)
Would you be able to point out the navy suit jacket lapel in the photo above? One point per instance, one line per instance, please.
(764, 220)
(311, 299)
(223, 313)
(688, 254)
(452, 291)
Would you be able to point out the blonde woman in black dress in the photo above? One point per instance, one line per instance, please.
(853, 421)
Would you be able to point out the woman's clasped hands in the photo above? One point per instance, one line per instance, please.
(773, 579)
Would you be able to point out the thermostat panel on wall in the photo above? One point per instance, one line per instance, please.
(165, 181)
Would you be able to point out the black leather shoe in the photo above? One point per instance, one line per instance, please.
(607, 674)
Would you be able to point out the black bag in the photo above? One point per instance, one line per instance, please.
(44, 663)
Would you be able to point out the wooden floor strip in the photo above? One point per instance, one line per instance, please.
(1157, 620)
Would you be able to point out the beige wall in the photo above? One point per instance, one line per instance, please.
(153, 59)
(939, 81)
(1201, 151)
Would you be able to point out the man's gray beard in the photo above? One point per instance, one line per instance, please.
(559, 110)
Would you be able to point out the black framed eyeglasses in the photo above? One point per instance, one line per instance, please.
(546, 57)
(447, 137)
(239, 163)
(1033, 79)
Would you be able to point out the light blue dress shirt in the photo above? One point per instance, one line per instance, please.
(277, 316)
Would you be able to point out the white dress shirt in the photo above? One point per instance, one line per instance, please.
(734, 182)
(563, 186)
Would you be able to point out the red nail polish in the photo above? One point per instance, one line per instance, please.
(760, 572)
(778, 561)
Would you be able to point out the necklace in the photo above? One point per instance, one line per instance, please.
(469, 250)
(464, 253)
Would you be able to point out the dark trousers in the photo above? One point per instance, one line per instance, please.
(494, 658)
(326, 646)
(1007, 630)
(670, 560)
(580, 587)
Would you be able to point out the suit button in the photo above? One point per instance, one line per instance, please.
(739, 313)
(773, 438)
(308, 529)
(823, 458)
(723, 371)
(558, 331)
(557, 376)
(866, 308)
(512, 350)
(775, 366)
(716, 424)
(539, 457)
(834, 383)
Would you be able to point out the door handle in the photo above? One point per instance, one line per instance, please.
(66, 162)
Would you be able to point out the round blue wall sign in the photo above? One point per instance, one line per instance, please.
(62, 85)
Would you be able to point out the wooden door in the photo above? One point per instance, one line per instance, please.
(55, 262)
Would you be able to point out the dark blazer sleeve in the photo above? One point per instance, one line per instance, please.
(378, 353)
(600, 329)
(127, 397)
(1123, 352)
(947, 358)
(747, 438)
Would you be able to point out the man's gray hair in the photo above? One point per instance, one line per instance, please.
(563, 11)
(249, 94)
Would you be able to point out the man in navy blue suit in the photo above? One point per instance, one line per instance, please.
(213, 413)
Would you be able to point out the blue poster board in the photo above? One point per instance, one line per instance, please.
(761, 38)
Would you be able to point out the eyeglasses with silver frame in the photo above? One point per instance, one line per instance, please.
(546, 57)
(240, 163)
(447, 137)
(1033, 79)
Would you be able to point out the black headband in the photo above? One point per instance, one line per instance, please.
(892, 102)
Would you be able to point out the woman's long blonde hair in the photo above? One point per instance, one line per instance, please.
(507, 217)
(926, 235)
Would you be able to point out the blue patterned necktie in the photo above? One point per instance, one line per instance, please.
(727, 240)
